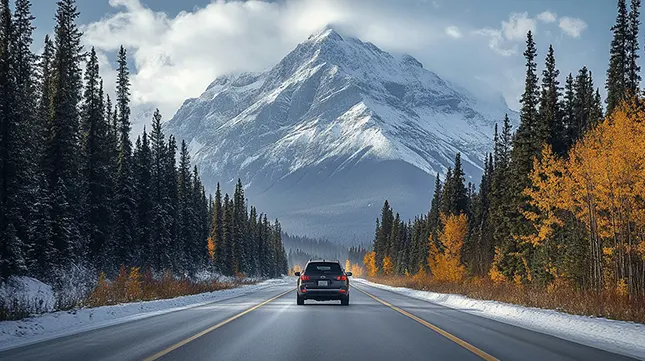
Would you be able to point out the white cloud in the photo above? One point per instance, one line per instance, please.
(496, 41)
(517, 26)
(547, 17)
(453, 32)
(504, 40)
(175, 58)
(572, 26)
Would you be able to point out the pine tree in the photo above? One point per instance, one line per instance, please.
(228, 266)
(96, 169)
(381, 242)
(526, 144)
(126, 230)
(618, 71)
(63, 146)
(633, 49)
(455, 195)
(145, 200)
(185, 211)
(550, 129)
(568, 113)
(216, 229)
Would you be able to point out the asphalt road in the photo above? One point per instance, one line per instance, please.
(268, 325)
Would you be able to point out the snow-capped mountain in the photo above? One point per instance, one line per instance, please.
(336, 127)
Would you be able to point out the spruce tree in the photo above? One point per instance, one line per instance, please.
(185, 211)
(63, 146)
(618, 71)
(125, 198)
(526, 144)
(550, 129)
(145, 200)
(216, 229)
(97, 163)
(568, 113)
(633, 49)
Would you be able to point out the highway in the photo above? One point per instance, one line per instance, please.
(268, 325)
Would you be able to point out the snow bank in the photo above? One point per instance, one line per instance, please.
(63, 323)
(627, 338)
(27, 294)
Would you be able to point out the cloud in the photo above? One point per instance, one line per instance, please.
(504, 40)
(517, 26)
(453, 31)
(572, 26)
(547, 17)
(173, 58)
(496, 41)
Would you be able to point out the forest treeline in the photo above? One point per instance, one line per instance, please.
(76, 191)
(561, 198)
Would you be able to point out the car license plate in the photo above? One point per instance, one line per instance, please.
(322, 283)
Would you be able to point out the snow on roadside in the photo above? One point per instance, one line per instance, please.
(64, 323)
(627, 338)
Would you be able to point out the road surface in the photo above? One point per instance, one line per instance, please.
(268, 325)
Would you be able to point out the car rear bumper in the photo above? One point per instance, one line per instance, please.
(323, 294)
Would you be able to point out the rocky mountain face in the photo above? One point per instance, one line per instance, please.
(334, 129)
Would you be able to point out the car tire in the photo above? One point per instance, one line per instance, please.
(344, 301)
(300, 300)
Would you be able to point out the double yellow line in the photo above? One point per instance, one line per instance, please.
(162, 353)
(427, 324)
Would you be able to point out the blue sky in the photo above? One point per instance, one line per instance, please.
(178, 47)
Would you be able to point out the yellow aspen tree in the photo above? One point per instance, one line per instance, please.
(369, 260)
(388, 266)
(446, 264)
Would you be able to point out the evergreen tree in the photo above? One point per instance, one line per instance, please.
(185, 210)
(550, 128)
(96, 168)
(381, 244)
(125, 198)
(145, 200)
(568, 114)
(455, 195)
(618, 71)
(633, 69)
(527, 144)
(63, 146)
(216, 229)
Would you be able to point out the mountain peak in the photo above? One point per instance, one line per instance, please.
(325, 34)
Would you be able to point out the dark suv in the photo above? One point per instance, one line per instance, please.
(322, 281)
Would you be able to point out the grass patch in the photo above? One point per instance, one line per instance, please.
(559, 296)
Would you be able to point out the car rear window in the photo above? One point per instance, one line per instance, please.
(323, 268)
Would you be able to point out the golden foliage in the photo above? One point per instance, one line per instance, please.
(446, 264)
(133, 285)
(369, 260)
(357, 271)
(546, 195)
(601, 183)
(388, 266)
(348, 265)
(495, 274)
(621, 288)
(211, 248)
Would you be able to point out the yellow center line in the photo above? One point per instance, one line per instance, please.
(196, 336)
(450, 336)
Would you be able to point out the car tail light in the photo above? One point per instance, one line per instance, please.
(341, 278)
(304, 278)
(342, 291)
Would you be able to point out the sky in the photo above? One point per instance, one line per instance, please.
(177, 48)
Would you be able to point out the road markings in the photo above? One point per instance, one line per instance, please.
(450, 336)
(160, 354)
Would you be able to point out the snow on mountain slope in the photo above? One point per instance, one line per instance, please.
(332, 130)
